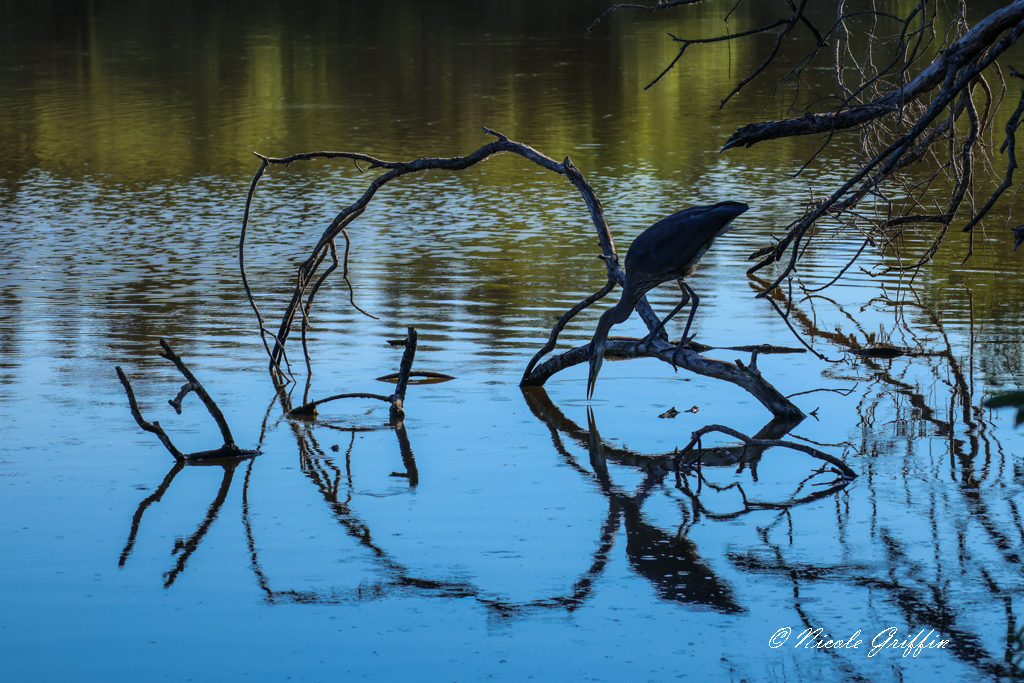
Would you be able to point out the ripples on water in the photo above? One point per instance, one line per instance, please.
(500, 534)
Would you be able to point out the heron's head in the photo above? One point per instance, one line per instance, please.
(597, 346)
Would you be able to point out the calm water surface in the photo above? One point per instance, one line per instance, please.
(504, 534)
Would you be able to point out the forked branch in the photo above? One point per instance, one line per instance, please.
(746, 377)
(229, 449)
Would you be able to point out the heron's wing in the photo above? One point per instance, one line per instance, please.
(670, 248)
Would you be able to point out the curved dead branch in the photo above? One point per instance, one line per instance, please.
(746, 377)
(393, 170)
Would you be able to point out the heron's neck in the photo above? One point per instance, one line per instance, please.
(620, 311)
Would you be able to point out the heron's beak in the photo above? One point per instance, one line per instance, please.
(596, 359)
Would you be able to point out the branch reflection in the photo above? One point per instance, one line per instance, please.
(184, 547)
(670, 561)
(920, 397)
(334, 485)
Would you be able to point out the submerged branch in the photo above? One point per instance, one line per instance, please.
(395, 400)
(746, 378)
(228, 450)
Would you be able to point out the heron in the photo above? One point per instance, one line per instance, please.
(668, 250)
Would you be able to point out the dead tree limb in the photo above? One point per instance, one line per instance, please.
(979, 42)
(196, 386)
(397, 412)
(395, 400)
(229, 449)
(560, 325)
(1009, 146)
(747, 378)
(396, 169)
(873, 173)
(902, 84)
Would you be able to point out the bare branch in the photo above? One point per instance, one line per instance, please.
(976, 43)
(211, 405)
(560, 325)
(307, 269)
(748, 378)
(688, 359)
(1010, 147)
(228, 450)
(405, 367)
(152, 427)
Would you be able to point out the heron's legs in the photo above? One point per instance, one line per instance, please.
(683, 341)
(686, 298)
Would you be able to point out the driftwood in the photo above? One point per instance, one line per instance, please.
(307, 282)
(746, 377)
(396, 400)
(229, 449)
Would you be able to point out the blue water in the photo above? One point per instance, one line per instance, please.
(509, 536)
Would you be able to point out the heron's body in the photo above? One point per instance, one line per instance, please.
(668, 250)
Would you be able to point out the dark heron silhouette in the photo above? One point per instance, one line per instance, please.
(668, 250)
